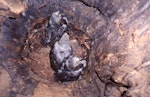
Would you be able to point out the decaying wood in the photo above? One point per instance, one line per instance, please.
(118, 56)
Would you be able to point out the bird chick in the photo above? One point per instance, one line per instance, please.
(65, 60)
(62, 48)
(67, 66)
(55, 18)
(71, 69)
(56, 27)
(60, 51)
(73, 63)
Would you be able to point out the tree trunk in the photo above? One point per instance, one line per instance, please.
(118, 60)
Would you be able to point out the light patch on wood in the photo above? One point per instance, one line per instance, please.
(15, 6)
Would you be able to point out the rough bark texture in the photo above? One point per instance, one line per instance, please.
(118, 60)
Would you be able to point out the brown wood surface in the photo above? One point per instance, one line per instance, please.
(118, 60)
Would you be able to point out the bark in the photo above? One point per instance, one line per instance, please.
(118, 51)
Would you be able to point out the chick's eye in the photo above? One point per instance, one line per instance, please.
(80, 65)
(61, 52)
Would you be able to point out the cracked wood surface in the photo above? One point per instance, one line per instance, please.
(118, 62)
